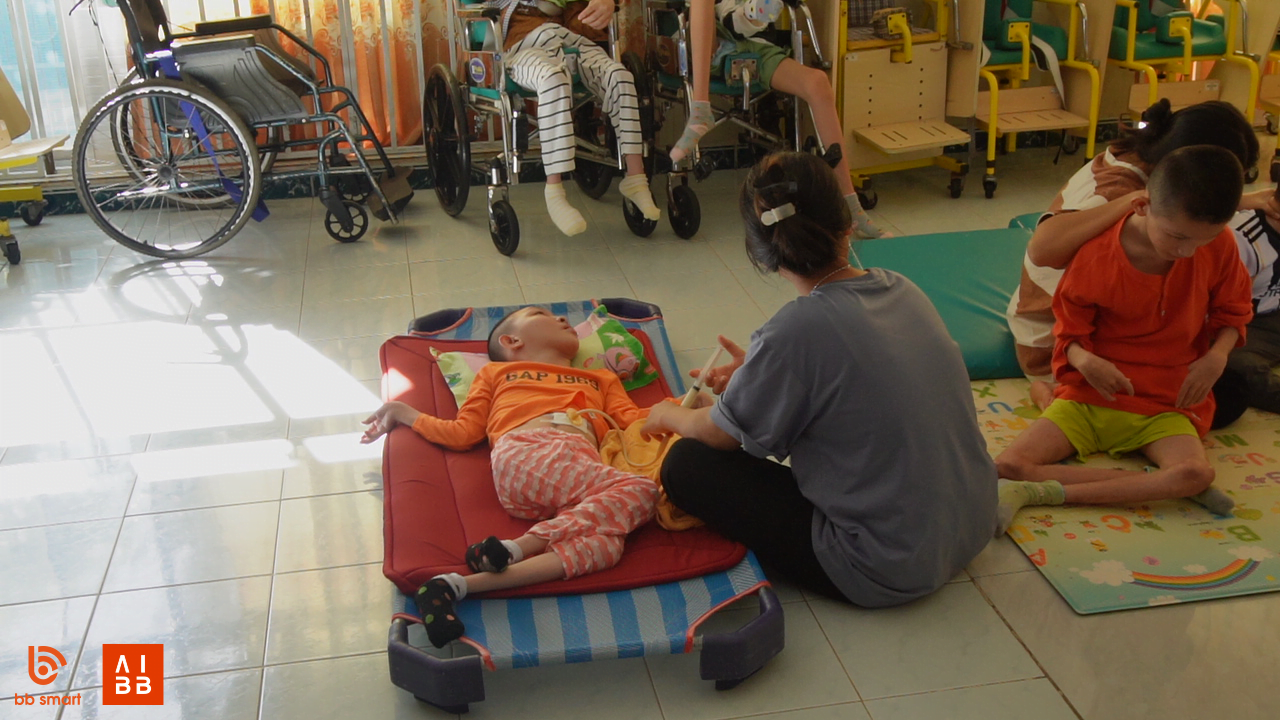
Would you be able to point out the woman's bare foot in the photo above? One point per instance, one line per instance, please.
(1041, 393)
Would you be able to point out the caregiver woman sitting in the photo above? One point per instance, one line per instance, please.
(891, 491)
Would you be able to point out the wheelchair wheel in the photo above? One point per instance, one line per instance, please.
(448, 146)
(640, 225)
(1251, 175)
(684, 211)
(358, 218)
(504, 227)
(590, 124)
(634, 64)
(172, 195)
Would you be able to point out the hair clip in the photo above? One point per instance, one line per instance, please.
(778, 214)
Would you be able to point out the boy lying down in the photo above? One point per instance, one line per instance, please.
(543, 421)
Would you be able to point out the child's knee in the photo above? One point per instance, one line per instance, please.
(585, 555)
(816, 87)
(1012, 466)
(1192, 476)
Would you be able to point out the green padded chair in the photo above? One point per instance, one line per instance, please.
(996, 32)
(1161, 36)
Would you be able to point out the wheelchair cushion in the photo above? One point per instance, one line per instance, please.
(1207, 40)
(1149, 12)
(1052, 34)
(970, 277)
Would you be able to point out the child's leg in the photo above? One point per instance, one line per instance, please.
(814, 87)
(1183, 472)
(614, 85)
(702, 41)
(537, 63)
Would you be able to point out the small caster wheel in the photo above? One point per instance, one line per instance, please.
(33, 212)
(685, 213)
(351, 187)
(1273, 124)
(593, 178)
(1071, 144)
(504, 227)
(350, 228)
(956, 187)
(989, 187)
(868, 199)
(1251, 175)
(640, 225)
(704, 168)
(12, 253)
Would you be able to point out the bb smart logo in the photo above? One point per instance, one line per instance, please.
(133, 674)
(44, 663)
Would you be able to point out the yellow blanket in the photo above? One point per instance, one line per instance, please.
(646, 455)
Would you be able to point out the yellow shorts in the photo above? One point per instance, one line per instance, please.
(1092, 429)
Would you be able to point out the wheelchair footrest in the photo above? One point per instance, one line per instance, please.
(1027, 110)
(398, 193)
(915, 135)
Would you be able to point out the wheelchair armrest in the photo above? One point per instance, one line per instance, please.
(233, 25)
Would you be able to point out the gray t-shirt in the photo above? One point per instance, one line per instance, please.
(861, 386)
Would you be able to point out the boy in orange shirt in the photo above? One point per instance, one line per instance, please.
(541, 417)
(1146, 314)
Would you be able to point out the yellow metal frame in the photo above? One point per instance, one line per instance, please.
(1022, 71)
(942, 14)
(1184, 62)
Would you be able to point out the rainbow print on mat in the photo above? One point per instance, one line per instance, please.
(1102, 559)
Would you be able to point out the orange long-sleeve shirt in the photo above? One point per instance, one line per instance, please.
(1150, 326)
(506, 395)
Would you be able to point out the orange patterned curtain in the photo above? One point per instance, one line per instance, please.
(379, 34)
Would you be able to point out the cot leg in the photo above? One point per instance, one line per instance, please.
(447, 683)
(730, 658)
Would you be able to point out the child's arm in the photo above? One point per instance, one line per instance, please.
(1230, 309)
(1073, 331)
(460, 433)
(597, 14)
(619, 405)
(1058, 238)
(1101, 373)
(694, 423)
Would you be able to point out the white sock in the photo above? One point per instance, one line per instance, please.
(565, 216)
(457, 583)
(636, 189)
(863, 226)
(516, 553)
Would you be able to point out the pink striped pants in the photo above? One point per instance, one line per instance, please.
(586, 507)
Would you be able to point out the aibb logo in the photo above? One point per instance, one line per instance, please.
(133, 674)
(44, 663)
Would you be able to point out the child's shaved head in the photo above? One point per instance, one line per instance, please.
(1203, 182)
(497, 353)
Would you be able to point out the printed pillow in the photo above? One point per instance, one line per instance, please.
(604, 344)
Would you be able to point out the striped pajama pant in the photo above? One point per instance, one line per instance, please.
(537, 64)
(586, 508)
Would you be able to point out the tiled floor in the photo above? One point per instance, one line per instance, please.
(178, 464)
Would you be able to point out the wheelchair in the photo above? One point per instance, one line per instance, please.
(767, 121)
(172, 162)
(455, 113)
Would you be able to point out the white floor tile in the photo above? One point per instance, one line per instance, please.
(439, 276)
(55, 561)
(1175, 662)
(59, 624)
(608, 688)
(356, 318)
(230, 633)
(194, 546)
(325, 613)
(568, 266)
(843, 711)
(226, 696)
(44, 493)
(1000, 556)
(1004, 701)
(950, 639)
(355, 283)
(339, 689)
(328, 531)
(805, 674)
(581, 290)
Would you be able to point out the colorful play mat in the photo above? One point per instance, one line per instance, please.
(1116, 558)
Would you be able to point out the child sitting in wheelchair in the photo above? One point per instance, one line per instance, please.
(740, 23)
(536, 33)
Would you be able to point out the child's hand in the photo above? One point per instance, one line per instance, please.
(597, 14)
(384, 419)
(1104, 376)
(1264, 200)
(1201, 375)
(718, 378)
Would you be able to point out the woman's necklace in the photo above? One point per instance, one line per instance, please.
(828, 276)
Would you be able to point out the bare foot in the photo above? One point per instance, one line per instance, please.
(1042, 393)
